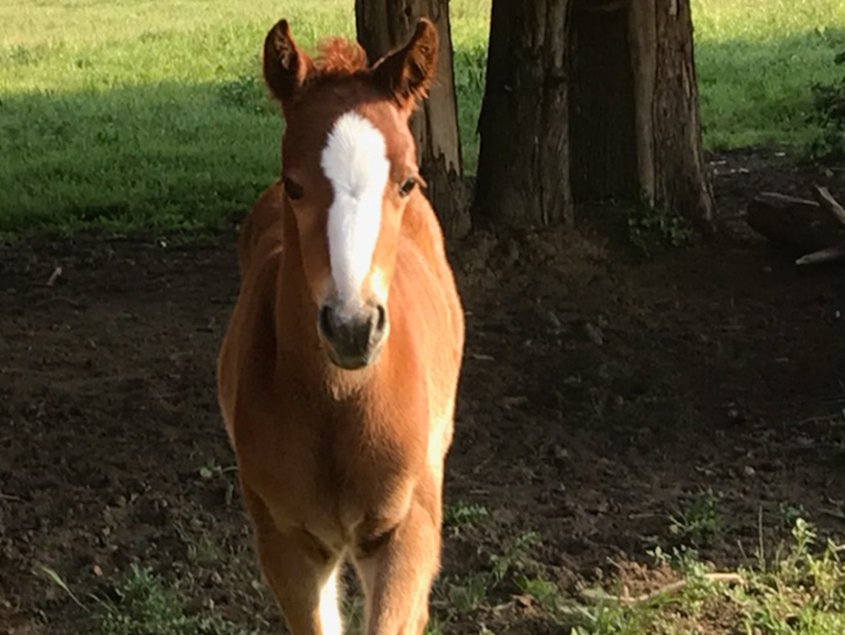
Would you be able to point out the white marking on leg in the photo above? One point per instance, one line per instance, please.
(355, 163)
(329, 606)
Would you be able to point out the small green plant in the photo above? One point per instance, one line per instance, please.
(829, 113)
(463, 516)
(462, 595)
(434, 627)
(204, 551)
(544, 592)
(697, 522)
(212, 469)
(515, 556)
(146, 605)
(653, 229)
(790, 514)
(467, 593)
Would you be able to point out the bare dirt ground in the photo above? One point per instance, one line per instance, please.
(601, 393)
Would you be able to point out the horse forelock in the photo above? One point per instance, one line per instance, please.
(340, 56)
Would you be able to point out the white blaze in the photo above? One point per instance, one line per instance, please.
(355, 163)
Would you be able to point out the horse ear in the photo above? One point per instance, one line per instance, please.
(285, 65)
(407, 73)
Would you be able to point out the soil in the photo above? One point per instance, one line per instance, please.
(603, 394)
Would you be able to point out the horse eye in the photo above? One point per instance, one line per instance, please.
(293, 189)
(408, 186)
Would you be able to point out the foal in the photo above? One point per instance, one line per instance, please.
(338, 372)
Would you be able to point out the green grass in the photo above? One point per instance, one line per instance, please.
(146, 605)
(755, 61)
(143, 603)
(799, 590)
(130, 113)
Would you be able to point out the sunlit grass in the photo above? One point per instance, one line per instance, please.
(799, 591)
(756, 60)
(135, 113)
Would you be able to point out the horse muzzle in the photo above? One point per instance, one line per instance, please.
(353, 339)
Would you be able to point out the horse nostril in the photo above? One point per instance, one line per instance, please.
(326, 322)
(381, 322)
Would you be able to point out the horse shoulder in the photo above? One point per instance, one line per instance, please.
(439, 323)
(429, 284)
(422, 231)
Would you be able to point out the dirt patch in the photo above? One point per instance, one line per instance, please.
(600, 394)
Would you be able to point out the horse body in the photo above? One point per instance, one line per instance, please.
(338, 372)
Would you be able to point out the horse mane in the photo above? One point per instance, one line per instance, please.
(340, 56)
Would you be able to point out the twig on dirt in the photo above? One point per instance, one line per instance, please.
(834, 513)
(54, 577)
(10, 497)
(832, 206)
(837, 252)
(670, 589)
(482, 465)
(826, 200)
(54, 276)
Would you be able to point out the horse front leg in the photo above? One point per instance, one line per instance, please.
(301, 573)
(398, 572)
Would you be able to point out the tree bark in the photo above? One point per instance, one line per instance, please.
(671, 159)
(523, 165)
(635, 121)
(383, 25)
(590, 99)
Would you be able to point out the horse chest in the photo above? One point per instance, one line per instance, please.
(332, 475)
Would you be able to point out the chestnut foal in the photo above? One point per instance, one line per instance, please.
(338, 372)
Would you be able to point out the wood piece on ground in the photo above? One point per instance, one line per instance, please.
(669, 589)
(830, 254)
(801, 224)
(828, 202)
(54, 276)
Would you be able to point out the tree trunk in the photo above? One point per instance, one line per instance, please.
(383, 25)
(671, 161)
(523, 165)
(590, 99)
(636, 131)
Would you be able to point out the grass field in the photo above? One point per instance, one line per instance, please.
(132, 113)
(755, 62)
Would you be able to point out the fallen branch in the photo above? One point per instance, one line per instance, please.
(815, 228)
(837, 212)
(792, 222)
(826, 200)
(54, 276)
(837, 252)
(670, 589)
